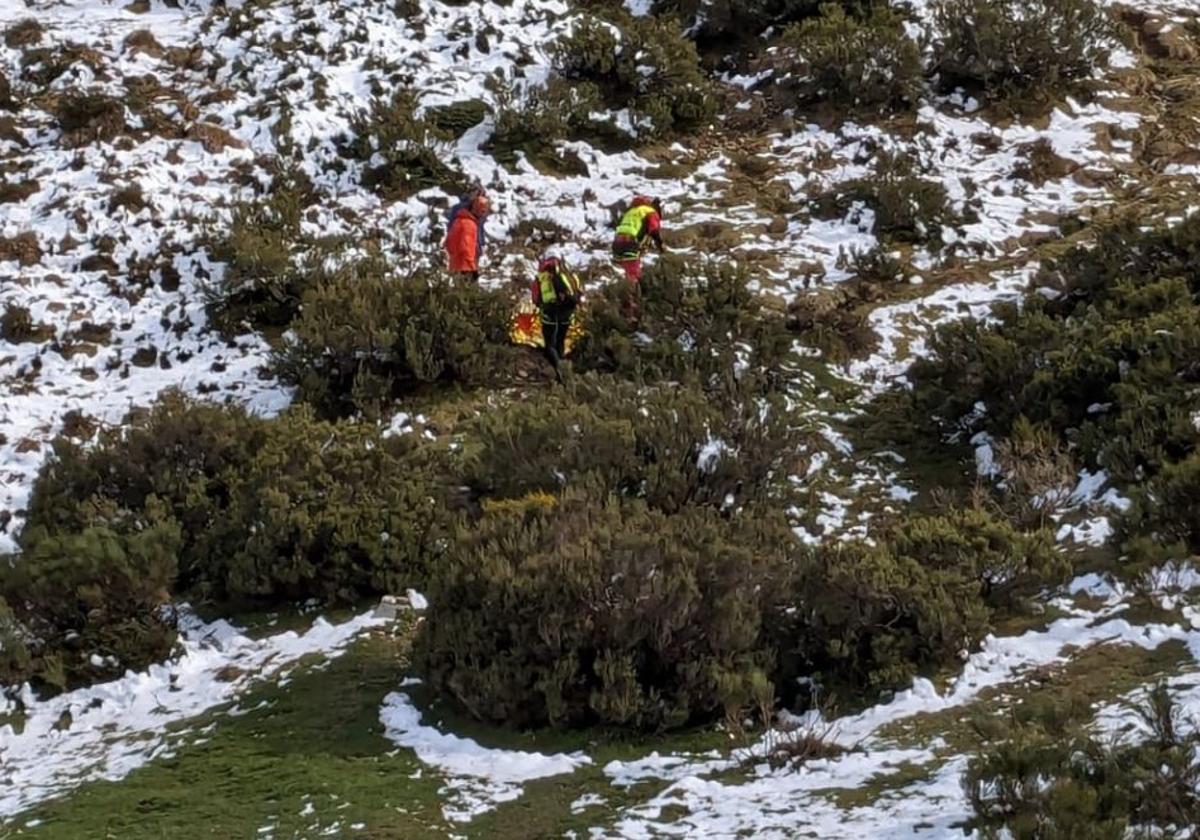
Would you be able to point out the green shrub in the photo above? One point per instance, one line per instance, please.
(278, 509)
(717, 22)
(532, 122)
(184, 452)
(263, 282)
(1102, 355)
(644, 64)
(1007, 46)
(580, 610)
(1050, 780)
(363, 338)
(907, 206)
(698, 323)
(404, 154)
(875, 615)
(867, 62)
(1168, 507)
(326, 511)
(457, 118)
(673, 447)
(93, 603)
(16, 664)
(7, 101)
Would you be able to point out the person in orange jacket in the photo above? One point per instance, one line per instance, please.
(462, 242)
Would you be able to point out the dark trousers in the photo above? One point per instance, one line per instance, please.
(556, 320)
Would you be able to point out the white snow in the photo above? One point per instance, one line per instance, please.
(786, 803)
(478, 778)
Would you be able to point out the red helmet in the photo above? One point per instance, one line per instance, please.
(548, 264)
(642, 201)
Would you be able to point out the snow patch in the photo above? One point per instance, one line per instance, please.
(478, 778)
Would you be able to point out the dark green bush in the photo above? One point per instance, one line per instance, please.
(1168, 508)
(16, 664)
(1008, 46)
(718, 22)
(7, 101)
(537, 116)
(268, 509)
(875, 615)
(322, 510)
(1047, 779)
(1103, 354)
(579, 610)
(698, 323)
(641, 63)
(93, 603)
(673, 447)
(1101, 358)
(364, 338)
(457, 118)
(184, 452)
(530, 123)
(908, 207)
(263, 280)
(403, 153)
(850, 62)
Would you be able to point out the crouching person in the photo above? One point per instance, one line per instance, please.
(556, 292)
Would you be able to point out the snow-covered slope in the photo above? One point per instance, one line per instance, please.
(235, 86)
(240, 89)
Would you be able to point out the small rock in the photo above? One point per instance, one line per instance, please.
(391, 607)
(229, 673)
(214, 138)
(23, 248)
(99, 262)
(145, 357)
(143, 41)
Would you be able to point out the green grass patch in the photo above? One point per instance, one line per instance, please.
(1095, 675)
(311, 757)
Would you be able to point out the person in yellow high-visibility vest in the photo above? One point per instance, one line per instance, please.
(556, 291)
(640, 226)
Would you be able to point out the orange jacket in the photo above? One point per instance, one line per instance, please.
(462, 242)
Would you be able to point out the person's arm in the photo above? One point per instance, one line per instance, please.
(654, 227)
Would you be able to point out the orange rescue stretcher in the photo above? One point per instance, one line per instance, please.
(526, 327)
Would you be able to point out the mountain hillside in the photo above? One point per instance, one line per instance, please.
(871, 512)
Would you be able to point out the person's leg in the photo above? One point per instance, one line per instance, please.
(547, 329)
(565, 317)
(633, 270)
(550, 329)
